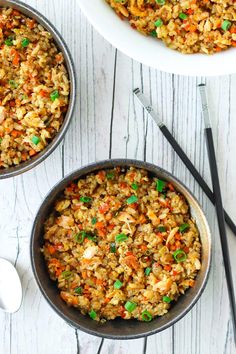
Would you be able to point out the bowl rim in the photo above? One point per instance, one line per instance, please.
(148, 52)
(81, 172)
(69, 63)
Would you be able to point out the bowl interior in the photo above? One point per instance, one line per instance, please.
(61, 45)
(150, 51)
(117, 328)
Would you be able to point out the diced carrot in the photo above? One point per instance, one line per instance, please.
(142, 219)
(167, 267)
(99, 281)
(15, 133)
(173, 247)
(110, 227)
(190, 11)
(233, 43)
(131, 261)
(178, 236)
(99, 225)
(75, 300)
(107, 300)
(24, 156)
(51, 249)
(186, 249)
(218, 49)
(32, 152)
(178, 244)
(232, 30)
(191, 282)
(16, 58)
(129, 253)
(123, 185)
(143, 247)
(103, 208)
(174, 272)
(102, 232)
(43, 93)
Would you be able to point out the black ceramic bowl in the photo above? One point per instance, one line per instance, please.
(35, 160)
(118, 328)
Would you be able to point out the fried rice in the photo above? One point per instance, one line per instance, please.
(121, 243)
(34, 88)
(189, 26)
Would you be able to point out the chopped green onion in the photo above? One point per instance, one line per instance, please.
(91, 237)
(92, 314)
(66, 274)
(121, 237)
(160, 185)
(110, 175)
(130, 306)
(146, 316)
(166, 299)
(113, 247)
(134, 186)
(153, 33)
(35, 140)
(158, 23)
(13, 84)
(226, 25)
(80, 237)
(161, 228)
(183, 16)
(9, 42)
(25, 42)
(132, 199)
(54, 95)
(179, 256)
(120, 1)
(148, 271)
(0, 140)
(118, 284)
(183, 227)
(160, 2)
(85, 199)
(78, 290)
(94, 220)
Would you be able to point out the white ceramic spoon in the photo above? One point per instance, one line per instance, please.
(10, 287)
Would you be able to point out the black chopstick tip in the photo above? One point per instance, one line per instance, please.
(201, 85)
(137, 90)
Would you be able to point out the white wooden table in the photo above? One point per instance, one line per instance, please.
(109, 123)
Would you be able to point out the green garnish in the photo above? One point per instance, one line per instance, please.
(85, 199)
(25, 42)
(148, 271)
(54, 95)
(66, 274)
(13, 84)
(183, 16)
(9, 42)
(94, 220)
(113, 247)
(226, 25)
(153, 33)
(92, 314)
(158, 23)
(161, 228)
(160, 2)
(183, 227)
(110, 175)
(166, 299)
(146, 316)
(130, 306)
(134, 186)
(179, 255)
(0, 140)
(132, 199)
(91, 237)
(160, 185)
(35, 140)
(121, 237)
(78, 290)
(80, 237)
(118, 284)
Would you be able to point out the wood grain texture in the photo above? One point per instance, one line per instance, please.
(108, 122)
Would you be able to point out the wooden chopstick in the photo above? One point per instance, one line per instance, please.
(142, 99)
(218, 204)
